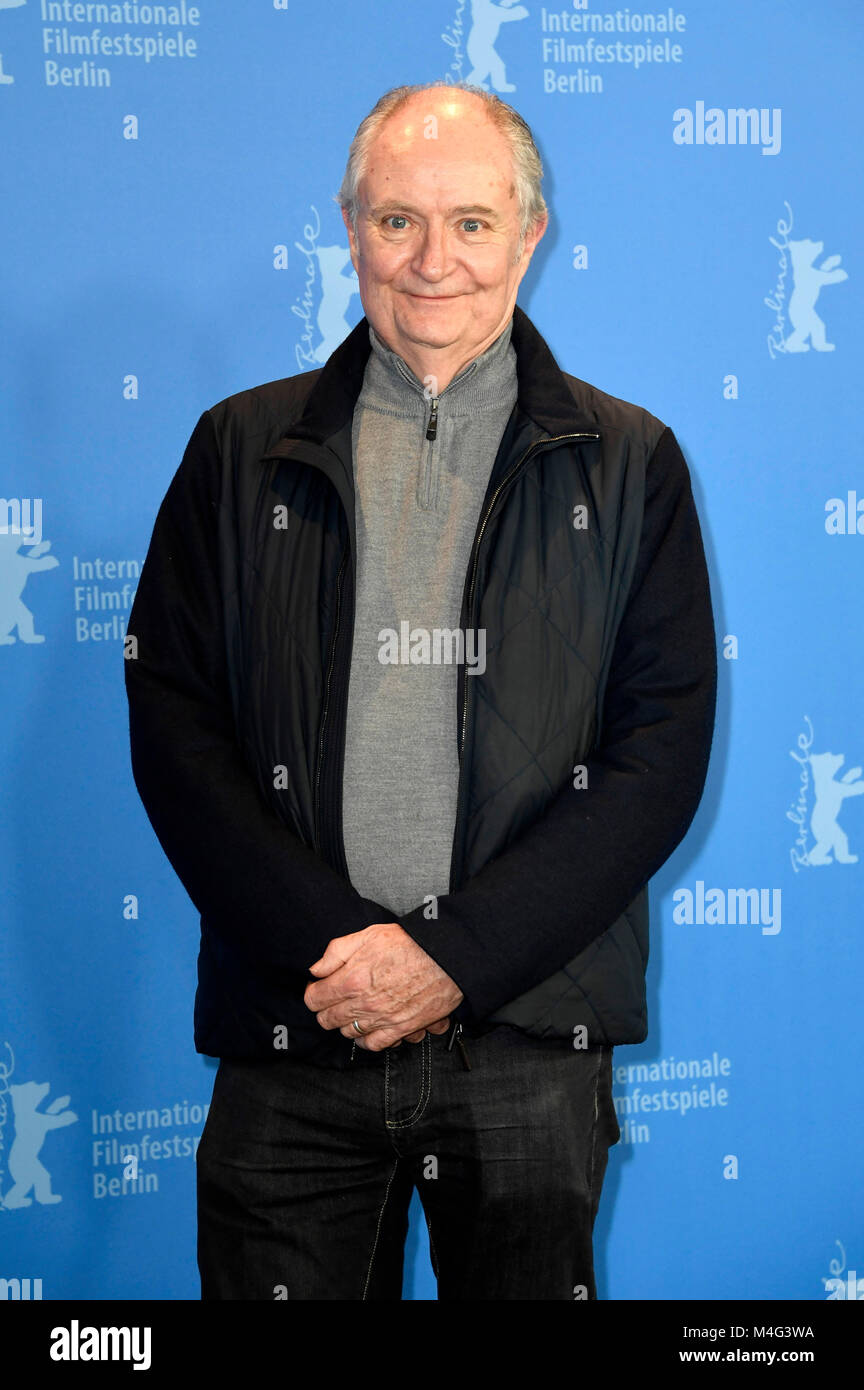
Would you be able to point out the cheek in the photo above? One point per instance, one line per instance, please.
(493, 270)
(384, 263)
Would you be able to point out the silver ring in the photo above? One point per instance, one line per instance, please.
(356, 1026)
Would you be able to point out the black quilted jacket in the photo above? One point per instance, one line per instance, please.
(600, 653)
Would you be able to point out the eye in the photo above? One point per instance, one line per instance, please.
(397, 217)
(471, 222)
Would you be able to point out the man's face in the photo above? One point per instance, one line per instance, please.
(438, 230)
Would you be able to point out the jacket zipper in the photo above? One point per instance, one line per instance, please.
(432, 427)
(537, 445)
(328, 678)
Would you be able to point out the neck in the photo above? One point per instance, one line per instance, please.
(444, 364)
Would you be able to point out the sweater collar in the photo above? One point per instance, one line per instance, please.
(389, 382)
(544, 393)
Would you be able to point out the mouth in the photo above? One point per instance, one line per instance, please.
(431, 298)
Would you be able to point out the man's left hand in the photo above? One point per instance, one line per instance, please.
(381, 977)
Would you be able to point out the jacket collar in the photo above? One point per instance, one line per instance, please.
(544, 395)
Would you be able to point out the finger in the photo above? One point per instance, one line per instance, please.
(338, 951)
(440, 1027)
(380, 1039)
(337, 998)
(359, 1043)
(330, 961)
(349, 1031)
(416, 1037)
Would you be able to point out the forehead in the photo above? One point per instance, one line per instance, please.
(444, 153)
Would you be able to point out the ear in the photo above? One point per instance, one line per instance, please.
(533, 235)
(352, 240)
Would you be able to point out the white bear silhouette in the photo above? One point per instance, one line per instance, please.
(5, 77)
(31, 1126)
(830, 796)
(337, 291)
(486, 21)
(15, 570)
(808, 280)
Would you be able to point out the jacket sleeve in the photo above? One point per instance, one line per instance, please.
(250, 878)
(568, 877)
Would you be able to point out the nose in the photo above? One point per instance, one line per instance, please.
(430, 260)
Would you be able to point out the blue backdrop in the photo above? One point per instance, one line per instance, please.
(170, 236)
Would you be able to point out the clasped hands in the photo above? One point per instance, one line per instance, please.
(381, 977)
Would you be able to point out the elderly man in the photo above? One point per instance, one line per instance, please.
(424, 696)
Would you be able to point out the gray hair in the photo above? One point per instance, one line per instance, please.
(527, 166)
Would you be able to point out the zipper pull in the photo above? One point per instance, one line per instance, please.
(456, 1037)
(432, 427)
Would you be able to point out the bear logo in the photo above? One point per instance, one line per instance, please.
(31, 1126)
(486, 21)
(807, 282)
(829, 797)
(5, 77)
(15, 570)
(337, 291)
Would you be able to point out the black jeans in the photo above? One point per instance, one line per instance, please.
(305, 1174)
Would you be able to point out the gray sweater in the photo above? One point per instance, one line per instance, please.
(417, 506)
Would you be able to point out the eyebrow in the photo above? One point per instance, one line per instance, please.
(452, 212)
